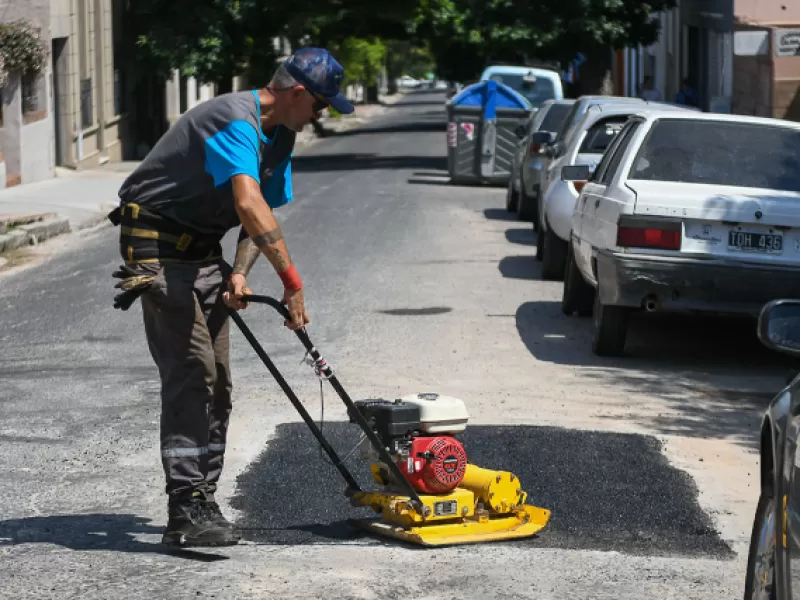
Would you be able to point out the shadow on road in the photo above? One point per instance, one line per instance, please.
(415, 126)
(412, 102)
(107, 532)
(351, 162)
(525, 237)
(520, 267)
(690, 361)
(499, 214)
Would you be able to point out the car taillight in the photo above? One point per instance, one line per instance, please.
(535, 148)
(668, 238)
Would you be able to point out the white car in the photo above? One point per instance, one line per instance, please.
(584, 146)
(686, 211)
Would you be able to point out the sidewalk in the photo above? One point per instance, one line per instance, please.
(77, 200)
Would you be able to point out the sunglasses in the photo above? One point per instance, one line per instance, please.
(320, 103)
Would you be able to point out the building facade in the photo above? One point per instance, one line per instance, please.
(26, 122)
(767, 59)
(738, 56)
(73, 114)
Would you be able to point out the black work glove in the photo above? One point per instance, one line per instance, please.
(133, 284)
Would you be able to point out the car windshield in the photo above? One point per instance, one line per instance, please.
(600, 135)
(536, 90)
(554, 118)
(720, 153)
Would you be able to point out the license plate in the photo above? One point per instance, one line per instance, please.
(769, 243)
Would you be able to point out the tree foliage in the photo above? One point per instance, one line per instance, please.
(467, 35)
(406, 57)
(201, 39)
(22, 49)
(213, 40)
(362, 59)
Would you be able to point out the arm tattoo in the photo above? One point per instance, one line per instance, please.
(277, 256)
(268, 237)
(246, 254)
(279, 259)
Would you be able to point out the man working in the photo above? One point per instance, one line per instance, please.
(225, 163)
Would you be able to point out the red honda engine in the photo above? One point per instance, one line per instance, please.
(434, 464)
(418, 433)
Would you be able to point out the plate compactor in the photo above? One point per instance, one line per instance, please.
(430, 494)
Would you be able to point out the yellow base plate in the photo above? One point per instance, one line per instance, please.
(526, 521)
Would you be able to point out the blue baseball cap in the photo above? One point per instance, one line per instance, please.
(319, 72)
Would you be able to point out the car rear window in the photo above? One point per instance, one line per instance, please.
(555, 117)
(720, 153)
(537, 91)
(601, 134)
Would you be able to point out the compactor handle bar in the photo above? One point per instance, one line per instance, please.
(323, 369)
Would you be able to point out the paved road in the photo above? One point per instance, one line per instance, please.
(413, 285)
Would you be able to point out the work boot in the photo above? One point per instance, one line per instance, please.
(219, 518)
(192, 523)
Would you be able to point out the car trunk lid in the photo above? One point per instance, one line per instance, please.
(726, 221)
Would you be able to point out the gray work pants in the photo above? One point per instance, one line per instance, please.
(187, 329)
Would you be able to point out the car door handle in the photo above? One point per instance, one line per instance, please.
(597, 203)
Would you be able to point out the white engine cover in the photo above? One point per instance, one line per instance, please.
(440, 414)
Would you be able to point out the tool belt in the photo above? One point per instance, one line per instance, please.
(147, 237)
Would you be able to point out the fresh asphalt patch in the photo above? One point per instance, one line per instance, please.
(606, 491)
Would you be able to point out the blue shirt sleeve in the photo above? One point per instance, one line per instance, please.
(278, 189)
(232, 151)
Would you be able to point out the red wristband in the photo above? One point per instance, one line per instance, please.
(291, 280)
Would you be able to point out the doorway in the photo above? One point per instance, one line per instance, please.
(59, 88)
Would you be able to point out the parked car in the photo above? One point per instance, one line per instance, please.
(525, 181)
(552, 144)
(686, 211)
(773, 563)
(585, 146)
(406, 81)
(535, 84)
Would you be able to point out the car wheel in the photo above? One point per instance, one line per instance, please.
(759, 583)
(512, 197)
(540, 245)
(578, 296)
(525, 206)
(610, 328)
(554, 256)
(535, 208)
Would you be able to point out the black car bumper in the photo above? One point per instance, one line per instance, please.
(697, 284)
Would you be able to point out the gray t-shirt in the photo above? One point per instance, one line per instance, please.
(186, 176)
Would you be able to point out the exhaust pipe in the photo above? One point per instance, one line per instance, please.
(651, 303)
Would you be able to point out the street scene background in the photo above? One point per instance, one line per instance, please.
(649, 463)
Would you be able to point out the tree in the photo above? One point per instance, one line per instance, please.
(210, 40)
(594, 28)
(214, 40)
(362, 60)
(407, 57)
(466, 35)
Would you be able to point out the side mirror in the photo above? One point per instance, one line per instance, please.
(779, 326)
(543, 138)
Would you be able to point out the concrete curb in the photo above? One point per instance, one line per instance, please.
(33, 233)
